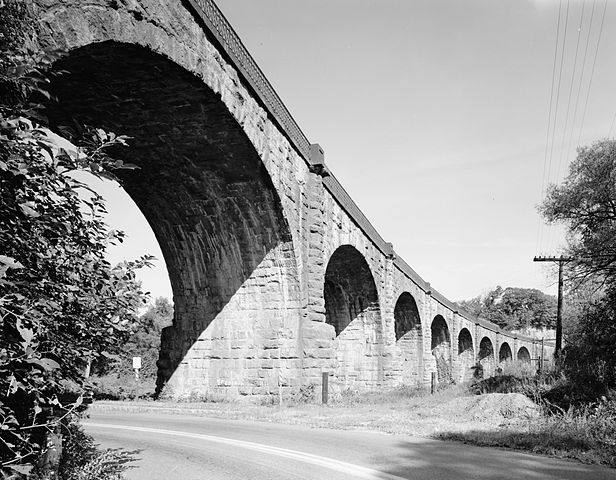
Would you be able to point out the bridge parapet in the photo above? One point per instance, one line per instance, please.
(232, 46)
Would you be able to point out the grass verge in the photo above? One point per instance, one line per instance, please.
(587, 434)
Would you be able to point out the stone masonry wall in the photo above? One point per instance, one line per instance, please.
(247, 228)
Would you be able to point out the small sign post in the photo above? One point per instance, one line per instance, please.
(136, 366)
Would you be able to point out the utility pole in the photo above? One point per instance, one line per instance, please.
(559, 309)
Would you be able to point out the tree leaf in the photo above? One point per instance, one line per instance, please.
(25, 333)
(29, 211)
(46, 363)
(10, 262)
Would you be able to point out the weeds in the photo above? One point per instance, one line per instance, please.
(121, 387)
(586, 433)
(82, 460)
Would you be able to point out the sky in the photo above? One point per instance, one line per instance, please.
(444, 121)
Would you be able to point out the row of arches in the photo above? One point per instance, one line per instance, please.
(219, 214)
(352, 308)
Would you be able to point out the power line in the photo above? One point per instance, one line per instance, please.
(559, 307)
(579, 90)
(577, 45)
(560, 74)
(547, 140)
(592, 72)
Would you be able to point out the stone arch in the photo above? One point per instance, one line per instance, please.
(212, 205)
(441, 348)
(409, 338)
(466, 354)
(486, 357)
(523, 355)
(504, 353)
(352, 309)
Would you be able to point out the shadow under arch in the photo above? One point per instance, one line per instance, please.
(524, 355)
(352, 309)
(504, 353)
(486, 357)
(212, 206)
(466, 355)
(441, 348)
(409, 339)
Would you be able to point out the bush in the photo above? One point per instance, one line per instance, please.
(589, 360)
(121, 387)
(444, 371)
(81, 459)
(305, 394)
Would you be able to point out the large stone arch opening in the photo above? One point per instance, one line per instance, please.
(214, 210)
(466, 355)
(441, 349)
(524, 355)
(486, 357)
(352, 309)
(409, 339)
(504, 353)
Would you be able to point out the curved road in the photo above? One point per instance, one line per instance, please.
(197, 448)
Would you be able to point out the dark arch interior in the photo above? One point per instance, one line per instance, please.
(349, 288)
(201, 184)
(465, 341)
(406, 315)
(504, 353)
(524, 355)
(440, 333)
(441, 344)
(486, 350)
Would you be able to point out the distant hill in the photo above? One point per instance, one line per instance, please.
(514, 308)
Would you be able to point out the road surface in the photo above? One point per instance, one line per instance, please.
(198, 448)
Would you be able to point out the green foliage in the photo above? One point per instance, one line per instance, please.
(145, 340)
(590, 355)
(514, 308)
(444, 371)
(115, 386)
(114, 379)
(586, 204)
(586, 433)
(61, 302)
(82, 460)
(306, 394)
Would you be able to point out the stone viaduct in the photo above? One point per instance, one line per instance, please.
(277, 275)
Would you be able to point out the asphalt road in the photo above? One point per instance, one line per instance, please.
(197, 448)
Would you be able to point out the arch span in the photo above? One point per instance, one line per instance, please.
(486, 357)
(211, 203)
(441, 348)
(352, 309)
(466, 354)
(524, 355)
(504, 354)
(409, 338)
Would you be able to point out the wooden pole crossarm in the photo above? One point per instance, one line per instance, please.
(559, 306)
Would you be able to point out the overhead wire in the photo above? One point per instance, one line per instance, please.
(547, 140)
(592, 73)
(577, 46)
(579, 88)
(553, 141)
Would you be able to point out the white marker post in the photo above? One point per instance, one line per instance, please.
(136, 366)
